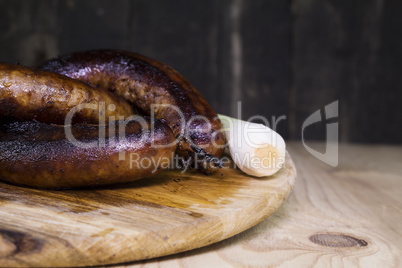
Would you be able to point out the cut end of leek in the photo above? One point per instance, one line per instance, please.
(256, 149)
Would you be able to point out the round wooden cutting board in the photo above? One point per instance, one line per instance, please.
(165, 214)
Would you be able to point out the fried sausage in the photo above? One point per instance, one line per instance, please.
(31, 94)
(152, 87)
(42, 155)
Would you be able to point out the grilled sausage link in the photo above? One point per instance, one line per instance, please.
(30, 94)
(43, 155)
(152, 87)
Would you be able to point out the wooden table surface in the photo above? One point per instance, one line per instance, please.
(347, 216)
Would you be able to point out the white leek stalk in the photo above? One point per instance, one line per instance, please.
(255, 148)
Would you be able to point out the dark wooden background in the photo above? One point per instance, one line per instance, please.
(277, 57)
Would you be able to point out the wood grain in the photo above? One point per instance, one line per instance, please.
(276, 57)
(347, 51)
(348, 216)
(168, 213)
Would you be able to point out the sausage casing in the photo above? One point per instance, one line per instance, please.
(32, 94)
(41, 155)
(152, 87)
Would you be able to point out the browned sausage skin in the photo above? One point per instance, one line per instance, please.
(151, 86)
(32, 94)
(41, 155)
